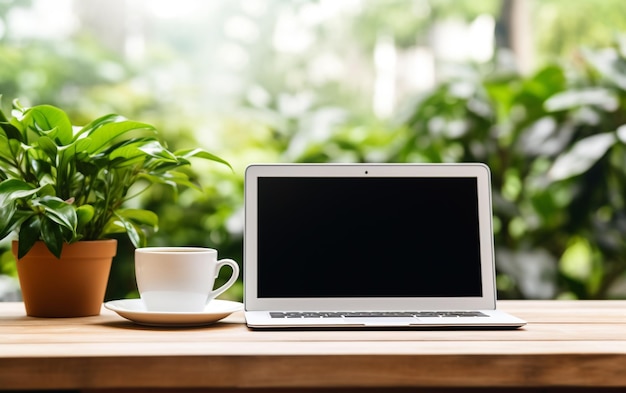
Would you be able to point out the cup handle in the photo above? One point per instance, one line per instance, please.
(235, 274)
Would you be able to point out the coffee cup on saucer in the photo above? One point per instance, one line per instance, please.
(180, 279)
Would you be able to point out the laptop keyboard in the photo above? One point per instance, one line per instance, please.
(379, 314)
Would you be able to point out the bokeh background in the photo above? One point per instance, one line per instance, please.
(536, 89)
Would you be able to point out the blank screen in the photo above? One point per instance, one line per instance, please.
(368, 237)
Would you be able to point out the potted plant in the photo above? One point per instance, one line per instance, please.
(64, 187)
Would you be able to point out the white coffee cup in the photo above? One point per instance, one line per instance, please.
(180, 279)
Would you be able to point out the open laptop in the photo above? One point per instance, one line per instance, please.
(370, 245)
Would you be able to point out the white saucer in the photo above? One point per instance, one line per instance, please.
(134, 310)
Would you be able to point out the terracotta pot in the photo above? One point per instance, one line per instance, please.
(72, 286)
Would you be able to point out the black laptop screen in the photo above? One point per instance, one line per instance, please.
(368, 237)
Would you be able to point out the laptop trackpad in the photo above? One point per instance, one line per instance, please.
(386, 321)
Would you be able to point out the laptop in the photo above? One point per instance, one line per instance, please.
(370, 245)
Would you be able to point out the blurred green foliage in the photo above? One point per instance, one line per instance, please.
(556, 149)
(554, 139)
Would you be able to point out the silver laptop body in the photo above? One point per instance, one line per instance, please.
(370, 245)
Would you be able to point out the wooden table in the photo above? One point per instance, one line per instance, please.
(566, 344)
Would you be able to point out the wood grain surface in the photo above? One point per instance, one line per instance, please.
(566, 345)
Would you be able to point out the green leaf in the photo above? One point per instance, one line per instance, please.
(621, 133)
(170, 178)
(91, 126)
(59, 211)
(113, 226)
(14, 189)
(128, 154)
(140, 216)
(156, 149)
(50, 120)
(135, 234)
(80, 145)
(11, 131)
(70, 156)
(200, 153)
(545, 82)
(48, 146)
(609, 64)
(103, 136)
(9, 149)
(131, 221)
(570, 99)
(582, 156)
(48, 189)
(52, 235)
(162, 166)
(29, 234)
(7, 225)
(17, 106)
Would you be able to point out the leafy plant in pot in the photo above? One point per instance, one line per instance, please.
(63, 191)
